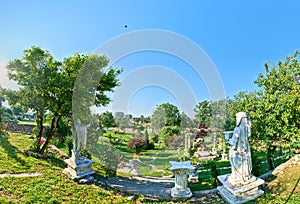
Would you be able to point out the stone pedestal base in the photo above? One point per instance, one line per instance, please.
(175, 193)
(135, 164)
(79, 169)
(241, 194)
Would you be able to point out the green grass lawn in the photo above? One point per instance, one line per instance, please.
(154, 162)
(47, 123)
(51, 187)
(55, 187)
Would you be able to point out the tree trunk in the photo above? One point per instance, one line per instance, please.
(40, 126)
(270, 156)
(54, 125)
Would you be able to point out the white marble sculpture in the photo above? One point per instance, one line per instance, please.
(239, 153)
(240, 186)
(78, 166)
(79, 138)
(181, 170)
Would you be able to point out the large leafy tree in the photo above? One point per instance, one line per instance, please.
(243, 102)
(186, 121)
(107, 120)
(203, 112)
(164, 115)
(50, 85)
(33, 73)
(279, 111)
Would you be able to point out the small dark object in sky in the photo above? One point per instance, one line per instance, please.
(125, 26)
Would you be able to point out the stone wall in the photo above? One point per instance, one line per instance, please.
(12, 126)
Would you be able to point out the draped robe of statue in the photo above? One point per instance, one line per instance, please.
(240, 154)
(79, 138)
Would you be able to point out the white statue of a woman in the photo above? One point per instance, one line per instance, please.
(240, 154)
(79, 138)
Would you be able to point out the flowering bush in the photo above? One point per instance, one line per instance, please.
(175, 142)
(136, 144)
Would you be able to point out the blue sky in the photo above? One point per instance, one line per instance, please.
(237, 36)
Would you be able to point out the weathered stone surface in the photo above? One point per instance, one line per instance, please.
(80, 169)
(240, 190)
(241, 194)
(12, 126)
(230, 198)
(181, 170)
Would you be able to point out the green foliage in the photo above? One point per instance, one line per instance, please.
(2, 129)
(51, 186)
(279, 111)
(86, 153)
(107, 120)
(124, 122)
(69, 144)
(108, 156)
(149, 145)
(165, 114)
(203, 112)
(186, 121)
(49, 85)
(167, 132)
(274, 110)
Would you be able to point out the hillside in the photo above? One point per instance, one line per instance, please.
(49, 186)
(284, 186)
(42, 181)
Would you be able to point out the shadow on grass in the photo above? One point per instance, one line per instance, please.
(293, 190)
(56, 162)
(12, 151)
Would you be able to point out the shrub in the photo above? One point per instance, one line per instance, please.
(174, 142)
(109, 158)
(167, 132)
(136, 144)
(154, 138)
(63, 130)
(69, 144)
(149, 146)
(86, 153)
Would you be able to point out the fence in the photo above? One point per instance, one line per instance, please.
(209, 170)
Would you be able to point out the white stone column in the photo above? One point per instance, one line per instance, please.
(181, 170)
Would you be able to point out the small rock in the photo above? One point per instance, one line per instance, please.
(86, 180)
(193, 199)
(132, 198)
(83, 181)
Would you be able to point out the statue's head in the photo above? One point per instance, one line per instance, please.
(242, 116)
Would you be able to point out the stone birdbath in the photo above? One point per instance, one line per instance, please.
(181, 170)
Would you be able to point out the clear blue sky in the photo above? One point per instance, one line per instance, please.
(238, 36)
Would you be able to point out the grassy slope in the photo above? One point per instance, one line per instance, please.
(52, 187)
(280, 188)
(154, 162)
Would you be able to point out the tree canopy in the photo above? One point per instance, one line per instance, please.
(165, 114)
(107, 120)
(47, 84)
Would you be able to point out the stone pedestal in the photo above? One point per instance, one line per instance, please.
(181, 170)
(135, 164)
(78, 169)
(242, 194)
